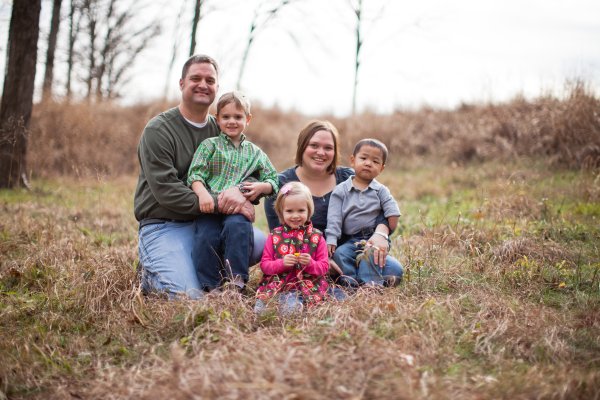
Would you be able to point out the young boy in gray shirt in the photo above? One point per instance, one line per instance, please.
(354, 207)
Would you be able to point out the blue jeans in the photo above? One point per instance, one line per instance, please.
(169, 254)
(287, 302)
(366, 272)
(222, 238)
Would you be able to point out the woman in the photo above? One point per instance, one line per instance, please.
(317, 156)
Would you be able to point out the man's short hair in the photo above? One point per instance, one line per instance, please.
(198, 59)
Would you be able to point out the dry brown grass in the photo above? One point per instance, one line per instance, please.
(481, 313)
(501, 296)
(100, 139)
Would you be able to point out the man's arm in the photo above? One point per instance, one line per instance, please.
(156, 154)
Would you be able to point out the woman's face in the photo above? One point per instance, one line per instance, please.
(320, 151)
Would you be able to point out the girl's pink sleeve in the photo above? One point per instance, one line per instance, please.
(269, 263)
(319, 262)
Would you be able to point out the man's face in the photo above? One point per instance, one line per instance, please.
(199, 87)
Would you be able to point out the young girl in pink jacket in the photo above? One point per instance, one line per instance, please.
(295, 257)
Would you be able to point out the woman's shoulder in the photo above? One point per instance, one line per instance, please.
(342, 174)
(288, 175)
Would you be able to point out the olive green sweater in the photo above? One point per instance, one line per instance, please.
(165, 152)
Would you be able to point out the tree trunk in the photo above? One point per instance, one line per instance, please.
(358, 37)
(73, 32)
(195, 26)
(49, 72)
(17, 95)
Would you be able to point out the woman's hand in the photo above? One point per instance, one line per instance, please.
(380, 247)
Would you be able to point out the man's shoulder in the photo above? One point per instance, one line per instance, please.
(173, 116)
(164, 117)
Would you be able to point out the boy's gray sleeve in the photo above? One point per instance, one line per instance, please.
(388, 204)
(334, 216)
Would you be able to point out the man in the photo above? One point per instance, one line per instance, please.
(166, 208)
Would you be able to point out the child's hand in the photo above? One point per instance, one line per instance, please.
(331, 249)
(252, 190)
(207, 203)
(304, 258)
(380, 249)
(289, 260)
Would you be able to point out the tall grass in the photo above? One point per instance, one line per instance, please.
(100, 139)
(501, 299)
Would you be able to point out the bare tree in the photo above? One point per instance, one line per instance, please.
(74, 27)
(197, 5)
(260, 21)
(174, 47)
(114, 40)
(17, 94)
(49, 72)
(359, 35)
(357, 8)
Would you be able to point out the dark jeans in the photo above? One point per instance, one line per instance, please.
(366, 272)
(230, 236)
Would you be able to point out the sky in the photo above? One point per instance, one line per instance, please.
(428, 53)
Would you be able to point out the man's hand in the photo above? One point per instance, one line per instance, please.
(248, 211)
(231, 201)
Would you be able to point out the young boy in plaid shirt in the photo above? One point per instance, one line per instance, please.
(220, 163)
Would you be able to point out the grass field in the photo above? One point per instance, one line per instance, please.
(501, 299)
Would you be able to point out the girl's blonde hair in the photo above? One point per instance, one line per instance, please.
(293, 189)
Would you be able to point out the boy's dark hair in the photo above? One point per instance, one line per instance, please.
(373, 143)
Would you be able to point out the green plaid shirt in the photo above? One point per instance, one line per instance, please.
(219, 165)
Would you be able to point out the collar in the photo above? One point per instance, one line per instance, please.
(306, 228)
(349, 186)
(226, 138)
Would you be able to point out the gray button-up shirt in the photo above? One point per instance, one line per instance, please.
(352, 210)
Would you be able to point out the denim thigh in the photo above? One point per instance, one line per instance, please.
(236, 239)
(345, 257)
(368, 272)
(208, 250)
(166, 262)
(258, 245)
